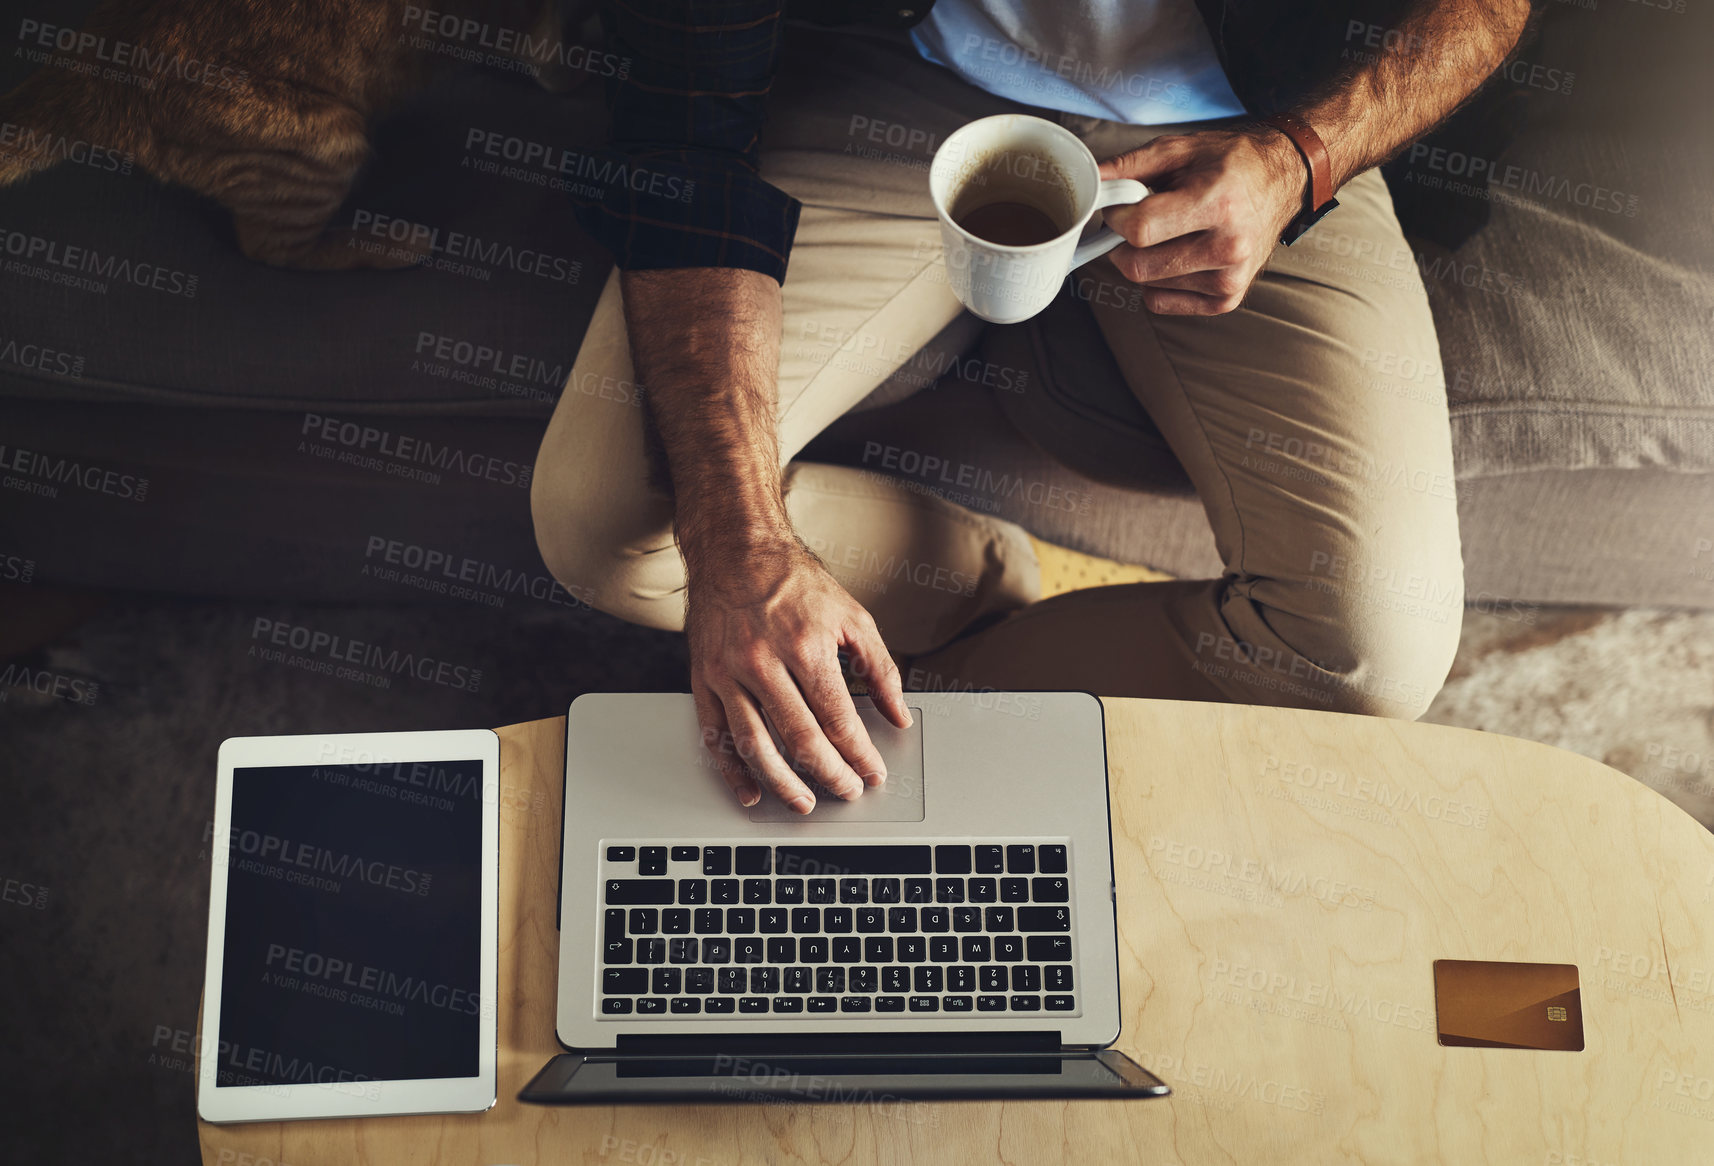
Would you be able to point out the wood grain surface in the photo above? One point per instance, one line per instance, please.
(1286, 880)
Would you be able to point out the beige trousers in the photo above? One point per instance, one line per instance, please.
(1312, 422)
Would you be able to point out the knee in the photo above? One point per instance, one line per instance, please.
(585, 540)
(1380, 652)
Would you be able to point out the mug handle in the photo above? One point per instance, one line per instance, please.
(1113, 190)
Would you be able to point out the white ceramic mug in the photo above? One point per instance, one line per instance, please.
(1012, 157)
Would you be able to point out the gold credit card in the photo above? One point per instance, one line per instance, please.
(1489, 1005)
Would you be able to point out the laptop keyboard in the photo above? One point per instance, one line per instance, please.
(853, 928)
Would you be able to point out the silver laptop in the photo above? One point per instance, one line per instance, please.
(950, 934)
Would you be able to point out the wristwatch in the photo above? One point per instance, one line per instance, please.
(1318, 192)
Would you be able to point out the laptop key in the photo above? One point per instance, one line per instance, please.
(1026, 978)
(854, 1004)
(836, 919)
(765, 981)
(919, 890)
(748, 950)
(812, 949)
(686, 853)
(957, 1003)
(615, 1006)
(723, 891)
(698, 981)
(982, 890)
(895, 979)
(871, 919)
(821, 890)
(960, 978)
(1059, 978)
(683, 1004)
(683, 951)
(830, 981)
(878, 949)
(994, 978)
(617, 952)
(651, 1005)
(1026, 1003)
(716, 860)
(740, 920)
(753, 1004)
(782, 950)
(990, 1003)
(967, 919)
(773, 921)
(853, 890)
(806, 920)
(976, 949)
(644, 920)
(613, 925)
(1050, 890)
(997, 918)
(936, 918)
(1047, 949)
(732, 980)
(1021, 859)
(754, 860)
(621, 853)
(1051, 859)
(952, 860)
(949, 890)
(913, 949)
(787, 1004)
(799, 980)
(863, 979)
(883, 890)
(943, 949)
(1044, 918)
(624, 981)
(635, 892)
(853, 859)
(651, 951)
(823, 1003)
(889, 1004)
(716, 950)
(788, 891)
(675, 921)
(652, 860)
(901, 919)
(719, 1004)
(1061, 1004)
(1009, 948)
(1014, 890)
(926, 979)
(990, 860)
(847, 949)
(925, 1003)
(710, 920)
(758, 892)
(666, 981)
(692, 891)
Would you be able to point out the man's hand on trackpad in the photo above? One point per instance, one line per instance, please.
(765, 629)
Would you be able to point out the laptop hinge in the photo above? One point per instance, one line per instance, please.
(843, 1044)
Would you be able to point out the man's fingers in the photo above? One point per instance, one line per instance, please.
(805, 738)
(717, 738)
(1184, 256)
(831, 703)
(1149, 161)
(875, 665)
(1167, 302)
(1161, 217)
(757, 748)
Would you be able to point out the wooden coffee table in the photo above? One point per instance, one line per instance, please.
(1286, 880)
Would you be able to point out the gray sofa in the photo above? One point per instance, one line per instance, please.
(297, 431)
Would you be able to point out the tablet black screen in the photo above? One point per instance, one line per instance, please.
(353, 924)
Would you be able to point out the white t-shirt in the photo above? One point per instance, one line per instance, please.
(1144, 62)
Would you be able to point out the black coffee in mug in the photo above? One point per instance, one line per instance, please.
(1009, 224)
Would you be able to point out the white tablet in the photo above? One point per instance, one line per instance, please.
(352, 927)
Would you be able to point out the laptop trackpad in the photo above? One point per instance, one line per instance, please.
(900, 798)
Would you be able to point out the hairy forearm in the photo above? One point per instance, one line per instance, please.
(706, 342)
(1423, 69)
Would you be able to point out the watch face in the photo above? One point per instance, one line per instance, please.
(1295, 229)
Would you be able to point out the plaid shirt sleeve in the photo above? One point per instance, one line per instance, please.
(677, 184)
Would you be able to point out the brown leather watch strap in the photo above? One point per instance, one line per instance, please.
(1314, 152)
